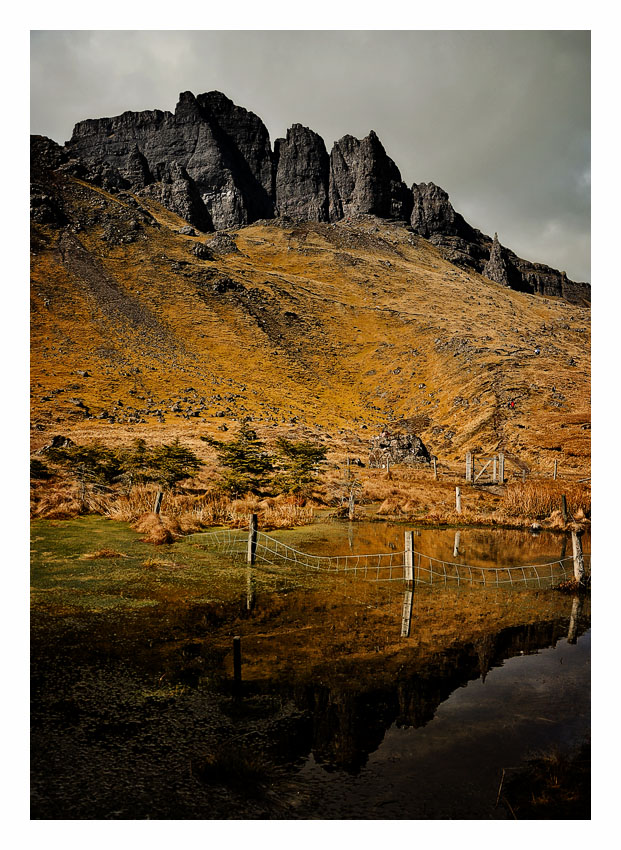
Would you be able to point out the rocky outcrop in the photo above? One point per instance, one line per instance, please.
(398, 447)
(212, 164)
(433, 213)
(434, 217)
(178, 192)
(224, 150)
(496, 267)
(363, 179)
(302, 180)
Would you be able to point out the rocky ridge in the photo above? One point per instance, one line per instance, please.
(211, 162)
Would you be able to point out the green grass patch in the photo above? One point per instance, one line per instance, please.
(94, 563)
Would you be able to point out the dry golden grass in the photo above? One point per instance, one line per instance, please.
(339, 326)
(541, 499)
(102, 553)
(157, 528)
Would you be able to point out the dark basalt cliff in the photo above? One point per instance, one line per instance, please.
(211, 162)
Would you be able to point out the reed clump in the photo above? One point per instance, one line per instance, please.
(543, 499)
(157, 528)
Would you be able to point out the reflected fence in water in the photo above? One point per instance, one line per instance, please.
(408, 566)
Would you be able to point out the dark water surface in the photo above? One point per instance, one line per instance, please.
(136, 713)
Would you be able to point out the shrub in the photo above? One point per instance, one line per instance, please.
(298, 464)
(247, 463)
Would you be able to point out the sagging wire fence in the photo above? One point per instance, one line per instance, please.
(408, 565)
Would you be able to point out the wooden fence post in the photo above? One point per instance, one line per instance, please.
(252, 538)
(578, 556)
(495, 470)
(458, 500)
(469, 466)
(501, 468)
(564, 507)
(555, 468)
(158, 502)
(409, 556)
(435, 468)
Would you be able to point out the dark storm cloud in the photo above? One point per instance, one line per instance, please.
(500, 119)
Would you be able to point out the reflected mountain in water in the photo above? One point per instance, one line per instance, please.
(129, 707)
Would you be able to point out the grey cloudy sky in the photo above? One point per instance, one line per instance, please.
(499, 119)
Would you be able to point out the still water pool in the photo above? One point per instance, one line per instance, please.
(137, 714)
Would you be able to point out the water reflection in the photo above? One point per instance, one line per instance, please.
(406, 617)
(484, 547)
(574, 619)
(125, 704)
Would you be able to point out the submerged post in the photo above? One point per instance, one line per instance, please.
(158, 502)
(409, 556)
(578, 556)
(252, 538)
(237, 674)
(458, 500)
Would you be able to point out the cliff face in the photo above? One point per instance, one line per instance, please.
(363, 179)
(302, 175)
(211, 162)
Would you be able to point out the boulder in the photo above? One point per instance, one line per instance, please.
(397, 447)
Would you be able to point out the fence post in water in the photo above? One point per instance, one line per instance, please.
(458, 500)
(501, 468)
(158, 502)
(252, 538)
(578, 556)
(555, 468)
(237, 674)
(409, 556)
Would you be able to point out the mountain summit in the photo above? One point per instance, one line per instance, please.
(212, 163)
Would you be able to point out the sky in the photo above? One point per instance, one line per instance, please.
(499, 119)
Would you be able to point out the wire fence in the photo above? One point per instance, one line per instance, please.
(392, 566)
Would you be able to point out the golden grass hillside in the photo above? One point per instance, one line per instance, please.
(323, 330)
